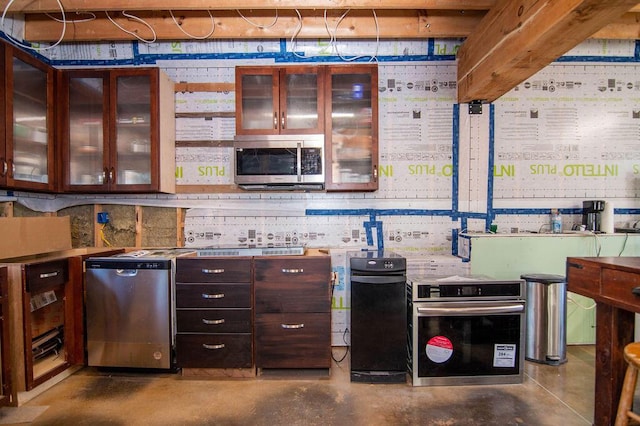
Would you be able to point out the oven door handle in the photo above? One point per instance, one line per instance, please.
(472, 310)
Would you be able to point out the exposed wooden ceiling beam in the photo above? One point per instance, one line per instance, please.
(258, 24)
(40, 6)
(517, 39)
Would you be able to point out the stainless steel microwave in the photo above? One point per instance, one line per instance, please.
(279, 162)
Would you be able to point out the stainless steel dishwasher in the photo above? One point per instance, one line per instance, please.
(129, 304)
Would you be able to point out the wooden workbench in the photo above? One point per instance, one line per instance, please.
(609, 281)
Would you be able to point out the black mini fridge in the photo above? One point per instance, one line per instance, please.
(378, 317)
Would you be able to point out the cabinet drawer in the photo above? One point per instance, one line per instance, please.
(583, 277)
(293, 284)
(283, 296)
(214, 350)
(213, 320)
(213, 270)
(618, 285)
(213, 295)
(293, 340)
(293, 269)
(45, 276)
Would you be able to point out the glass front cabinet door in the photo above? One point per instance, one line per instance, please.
(352, 128)
(120, 132)
(272, 100)
(27, 154)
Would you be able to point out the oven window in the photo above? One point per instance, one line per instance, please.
(266, 161)
(476, 345)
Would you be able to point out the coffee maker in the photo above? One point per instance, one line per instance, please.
(592, 214)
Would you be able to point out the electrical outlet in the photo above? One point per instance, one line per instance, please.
(103, 217)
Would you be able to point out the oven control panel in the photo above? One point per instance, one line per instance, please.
(447, 288)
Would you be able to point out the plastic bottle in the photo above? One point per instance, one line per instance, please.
(556, 221)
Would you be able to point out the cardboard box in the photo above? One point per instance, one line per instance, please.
(26, 236)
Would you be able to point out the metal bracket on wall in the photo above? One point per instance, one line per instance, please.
(475, 107)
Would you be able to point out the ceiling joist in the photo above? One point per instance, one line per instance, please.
(41, 6)
(360, 24)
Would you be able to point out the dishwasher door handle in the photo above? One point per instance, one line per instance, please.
(472, 310)
(127, 272)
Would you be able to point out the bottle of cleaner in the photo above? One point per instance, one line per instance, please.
(556, 221)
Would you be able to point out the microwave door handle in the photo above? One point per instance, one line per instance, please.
(472, 310)
(298, 156)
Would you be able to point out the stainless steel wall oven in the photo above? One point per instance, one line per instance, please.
(466, 330)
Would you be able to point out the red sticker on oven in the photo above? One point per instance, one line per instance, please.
(439, 349)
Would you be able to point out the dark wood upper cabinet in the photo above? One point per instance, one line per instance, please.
(27, 156)
(118, 131)
(279, 100)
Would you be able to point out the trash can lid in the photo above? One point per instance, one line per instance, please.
(543, 278)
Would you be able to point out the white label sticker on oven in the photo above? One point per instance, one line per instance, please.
(504, 355)
(439, 349)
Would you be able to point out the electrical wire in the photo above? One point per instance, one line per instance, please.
(103, 237)
(134, 18)
(262, 27)
(581, 306)
(294, 40)
(597, 244)
(213, 27)
(333, 37)
(624, 244)
(74, 21)
(26, 46)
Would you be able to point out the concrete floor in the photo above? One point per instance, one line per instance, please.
(550, 395)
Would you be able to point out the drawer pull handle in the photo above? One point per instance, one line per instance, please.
(213, 271)
(636, 291)
(576, 265)
(292, 271)
(49, 274)
(292, 326)
(213, 347)
(212, 322)
(212, 296)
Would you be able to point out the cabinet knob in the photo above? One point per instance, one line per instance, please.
(5, 167)
(282, 121)
(275, 121)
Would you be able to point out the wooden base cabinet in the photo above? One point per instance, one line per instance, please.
(293, 311)
(5, 372)
(214, 313)
(44, 318)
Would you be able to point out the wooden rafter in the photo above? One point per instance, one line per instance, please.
(517, 39)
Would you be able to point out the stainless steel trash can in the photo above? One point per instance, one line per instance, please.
(546, 331)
